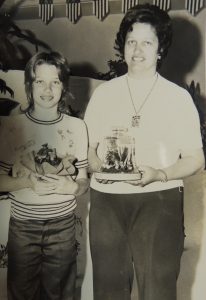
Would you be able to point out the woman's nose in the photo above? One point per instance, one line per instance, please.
(137, 48)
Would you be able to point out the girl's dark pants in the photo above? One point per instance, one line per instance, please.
(42, 259)
(141, 230)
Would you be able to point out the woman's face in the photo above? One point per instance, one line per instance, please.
(141, 50)
(47, 88)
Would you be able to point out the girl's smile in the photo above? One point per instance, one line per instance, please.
(47, 88)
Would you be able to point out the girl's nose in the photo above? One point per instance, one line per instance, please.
(48, 86)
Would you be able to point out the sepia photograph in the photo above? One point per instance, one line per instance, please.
(102, 149)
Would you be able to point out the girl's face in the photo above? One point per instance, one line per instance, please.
(141, 50)
(47, 88)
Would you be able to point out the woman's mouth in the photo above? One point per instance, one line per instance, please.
(137, 59)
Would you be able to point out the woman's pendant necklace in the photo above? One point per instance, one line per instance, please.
(136, 121)
(137, 117)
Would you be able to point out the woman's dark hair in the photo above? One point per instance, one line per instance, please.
(50, 58)
(149, 14)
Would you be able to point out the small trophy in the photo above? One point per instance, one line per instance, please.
(46, 161)
(119, 157)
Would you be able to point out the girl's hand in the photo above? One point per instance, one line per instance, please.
(60, 184)
(41, 186)
(19, 170)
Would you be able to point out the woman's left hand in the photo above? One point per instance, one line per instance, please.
(148, 175)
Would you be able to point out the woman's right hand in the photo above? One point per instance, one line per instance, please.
(94, 162)
(95, 165)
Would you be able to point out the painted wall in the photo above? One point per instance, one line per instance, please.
(88, 45)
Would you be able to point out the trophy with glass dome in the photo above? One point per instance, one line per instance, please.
(119, 157)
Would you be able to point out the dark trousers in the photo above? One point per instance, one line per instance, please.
(144, 230)
(42, 259)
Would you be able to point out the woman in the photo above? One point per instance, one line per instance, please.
(45, 151)
(139, 220)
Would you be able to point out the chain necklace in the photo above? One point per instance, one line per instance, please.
(136, 118)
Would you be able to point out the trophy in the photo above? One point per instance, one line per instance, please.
(45, 161)
(119, 157)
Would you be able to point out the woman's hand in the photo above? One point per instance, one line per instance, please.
(148, 175)
(105, 181)
(95, 163)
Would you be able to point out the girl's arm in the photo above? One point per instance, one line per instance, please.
(58, 184)
(10, 184)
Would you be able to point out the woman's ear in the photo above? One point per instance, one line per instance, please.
(159, 54)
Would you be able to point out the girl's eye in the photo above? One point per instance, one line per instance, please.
(39, 82)
(131, 42)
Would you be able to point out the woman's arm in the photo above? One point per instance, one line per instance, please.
(190, 163)
(94, 162)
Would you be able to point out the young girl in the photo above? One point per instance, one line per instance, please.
(43, 160)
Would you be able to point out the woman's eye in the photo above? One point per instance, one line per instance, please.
(147, 43)
(56, 82)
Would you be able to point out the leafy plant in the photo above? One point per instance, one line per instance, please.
(116, 68)
(4, 88)
(3, 256)
(13, 53)
(6, 105)
(199, 101)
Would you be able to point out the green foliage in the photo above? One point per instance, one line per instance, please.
(13, 53)
(3, 256)
(4, 88)
(199, 101)
(116, 69)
